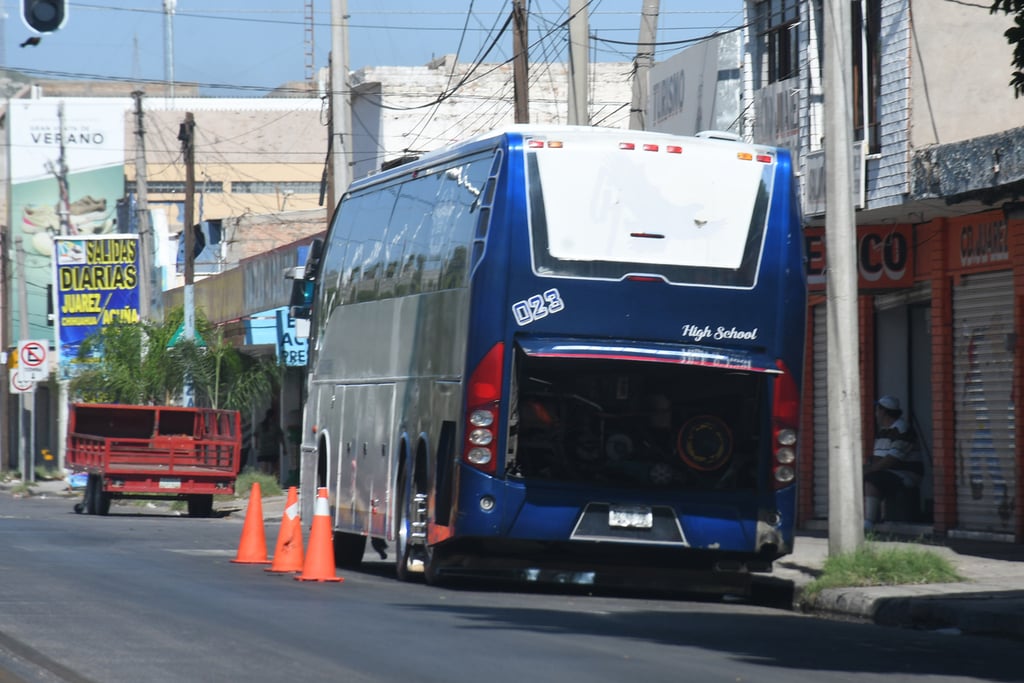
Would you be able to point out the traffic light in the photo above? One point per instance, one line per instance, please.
(44, 16)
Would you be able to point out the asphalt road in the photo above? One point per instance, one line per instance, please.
(145, 596)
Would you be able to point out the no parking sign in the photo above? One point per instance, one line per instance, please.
(33, 360)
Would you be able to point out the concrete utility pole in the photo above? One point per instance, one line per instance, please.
(341, 103)
(845, 469)
(643, 62)
(26, 401)
(579, 47)
(520, 62)
(169, 7)
(142, 209)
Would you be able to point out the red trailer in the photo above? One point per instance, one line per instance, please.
(154, 452)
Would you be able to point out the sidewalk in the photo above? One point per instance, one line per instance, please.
(990, 602)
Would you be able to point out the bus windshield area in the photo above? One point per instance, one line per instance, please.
(693, 214)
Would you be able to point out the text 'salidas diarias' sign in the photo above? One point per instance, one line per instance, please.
(96, 280)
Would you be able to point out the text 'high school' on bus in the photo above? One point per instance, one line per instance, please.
(560, 348)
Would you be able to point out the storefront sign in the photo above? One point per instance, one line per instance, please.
(884, 257)
(978, 243)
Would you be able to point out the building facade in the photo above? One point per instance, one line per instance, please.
(937, 170)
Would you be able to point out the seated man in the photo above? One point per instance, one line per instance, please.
(894, 464)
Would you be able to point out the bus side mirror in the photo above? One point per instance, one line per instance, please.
(313, 258)
(300, 303)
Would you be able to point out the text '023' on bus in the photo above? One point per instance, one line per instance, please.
(556, 348)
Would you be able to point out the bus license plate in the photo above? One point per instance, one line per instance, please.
(630, 516)
(170, 483)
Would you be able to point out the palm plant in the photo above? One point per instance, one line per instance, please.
(138, 364)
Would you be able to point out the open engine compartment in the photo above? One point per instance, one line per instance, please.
(633, 424)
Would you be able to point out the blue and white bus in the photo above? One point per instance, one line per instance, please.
(562, 347)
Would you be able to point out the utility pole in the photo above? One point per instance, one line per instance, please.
(186, 134)
(643, 62)
(341, 105)
(169, 7)
(60, 172)
(142, 209)
(579, 38)
(520, 62)
(26, 401)
(845, 469)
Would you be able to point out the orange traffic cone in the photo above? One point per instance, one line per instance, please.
(288, 553)
(252, 548)
(319, 565)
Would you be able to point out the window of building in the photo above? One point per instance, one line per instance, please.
(173, 187)
(271, 187)
(779, 21)
(866, 66)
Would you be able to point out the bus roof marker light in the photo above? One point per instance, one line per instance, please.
(765, 158)
(627, 145)
(555, 144)
(744, 156)
(535, 144)
(650, 148)
(673, 149)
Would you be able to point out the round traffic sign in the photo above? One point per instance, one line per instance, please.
(32, 354)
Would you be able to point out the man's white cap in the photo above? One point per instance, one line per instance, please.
(889, 402)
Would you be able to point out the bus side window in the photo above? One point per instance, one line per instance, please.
(463, 197)
(368, 220)
(414, 220)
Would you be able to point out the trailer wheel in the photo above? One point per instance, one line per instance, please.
(97, 501)
(200, 505)
(103, 500)
(91, 484)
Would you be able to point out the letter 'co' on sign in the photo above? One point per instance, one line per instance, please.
(33, 360)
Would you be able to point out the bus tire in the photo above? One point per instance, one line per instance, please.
(409, 561)
(348, 549)
(200, 505)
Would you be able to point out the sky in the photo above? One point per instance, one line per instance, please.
(248, 47)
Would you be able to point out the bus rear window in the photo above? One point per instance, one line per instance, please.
(600, 211)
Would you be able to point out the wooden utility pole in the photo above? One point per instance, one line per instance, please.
(643, 62)
(520, 62)
(845, 471)
(186, 134)
(579, 38)
(142, 210)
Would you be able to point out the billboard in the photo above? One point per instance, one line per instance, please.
(67, 174)
(96, 281)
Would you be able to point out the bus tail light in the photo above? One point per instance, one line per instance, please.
(785, 421)
(483, 394)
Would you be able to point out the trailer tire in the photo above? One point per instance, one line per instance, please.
(200, 505)
(103, 501)
(91, 484)
(98, 498)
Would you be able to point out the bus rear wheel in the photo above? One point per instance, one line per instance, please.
(410, 529)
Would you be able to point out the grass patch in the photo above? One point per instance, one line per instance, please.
(875, 565)
(268, 483)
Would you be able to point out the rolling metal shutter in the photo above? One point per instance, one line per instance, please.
(983, 401)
